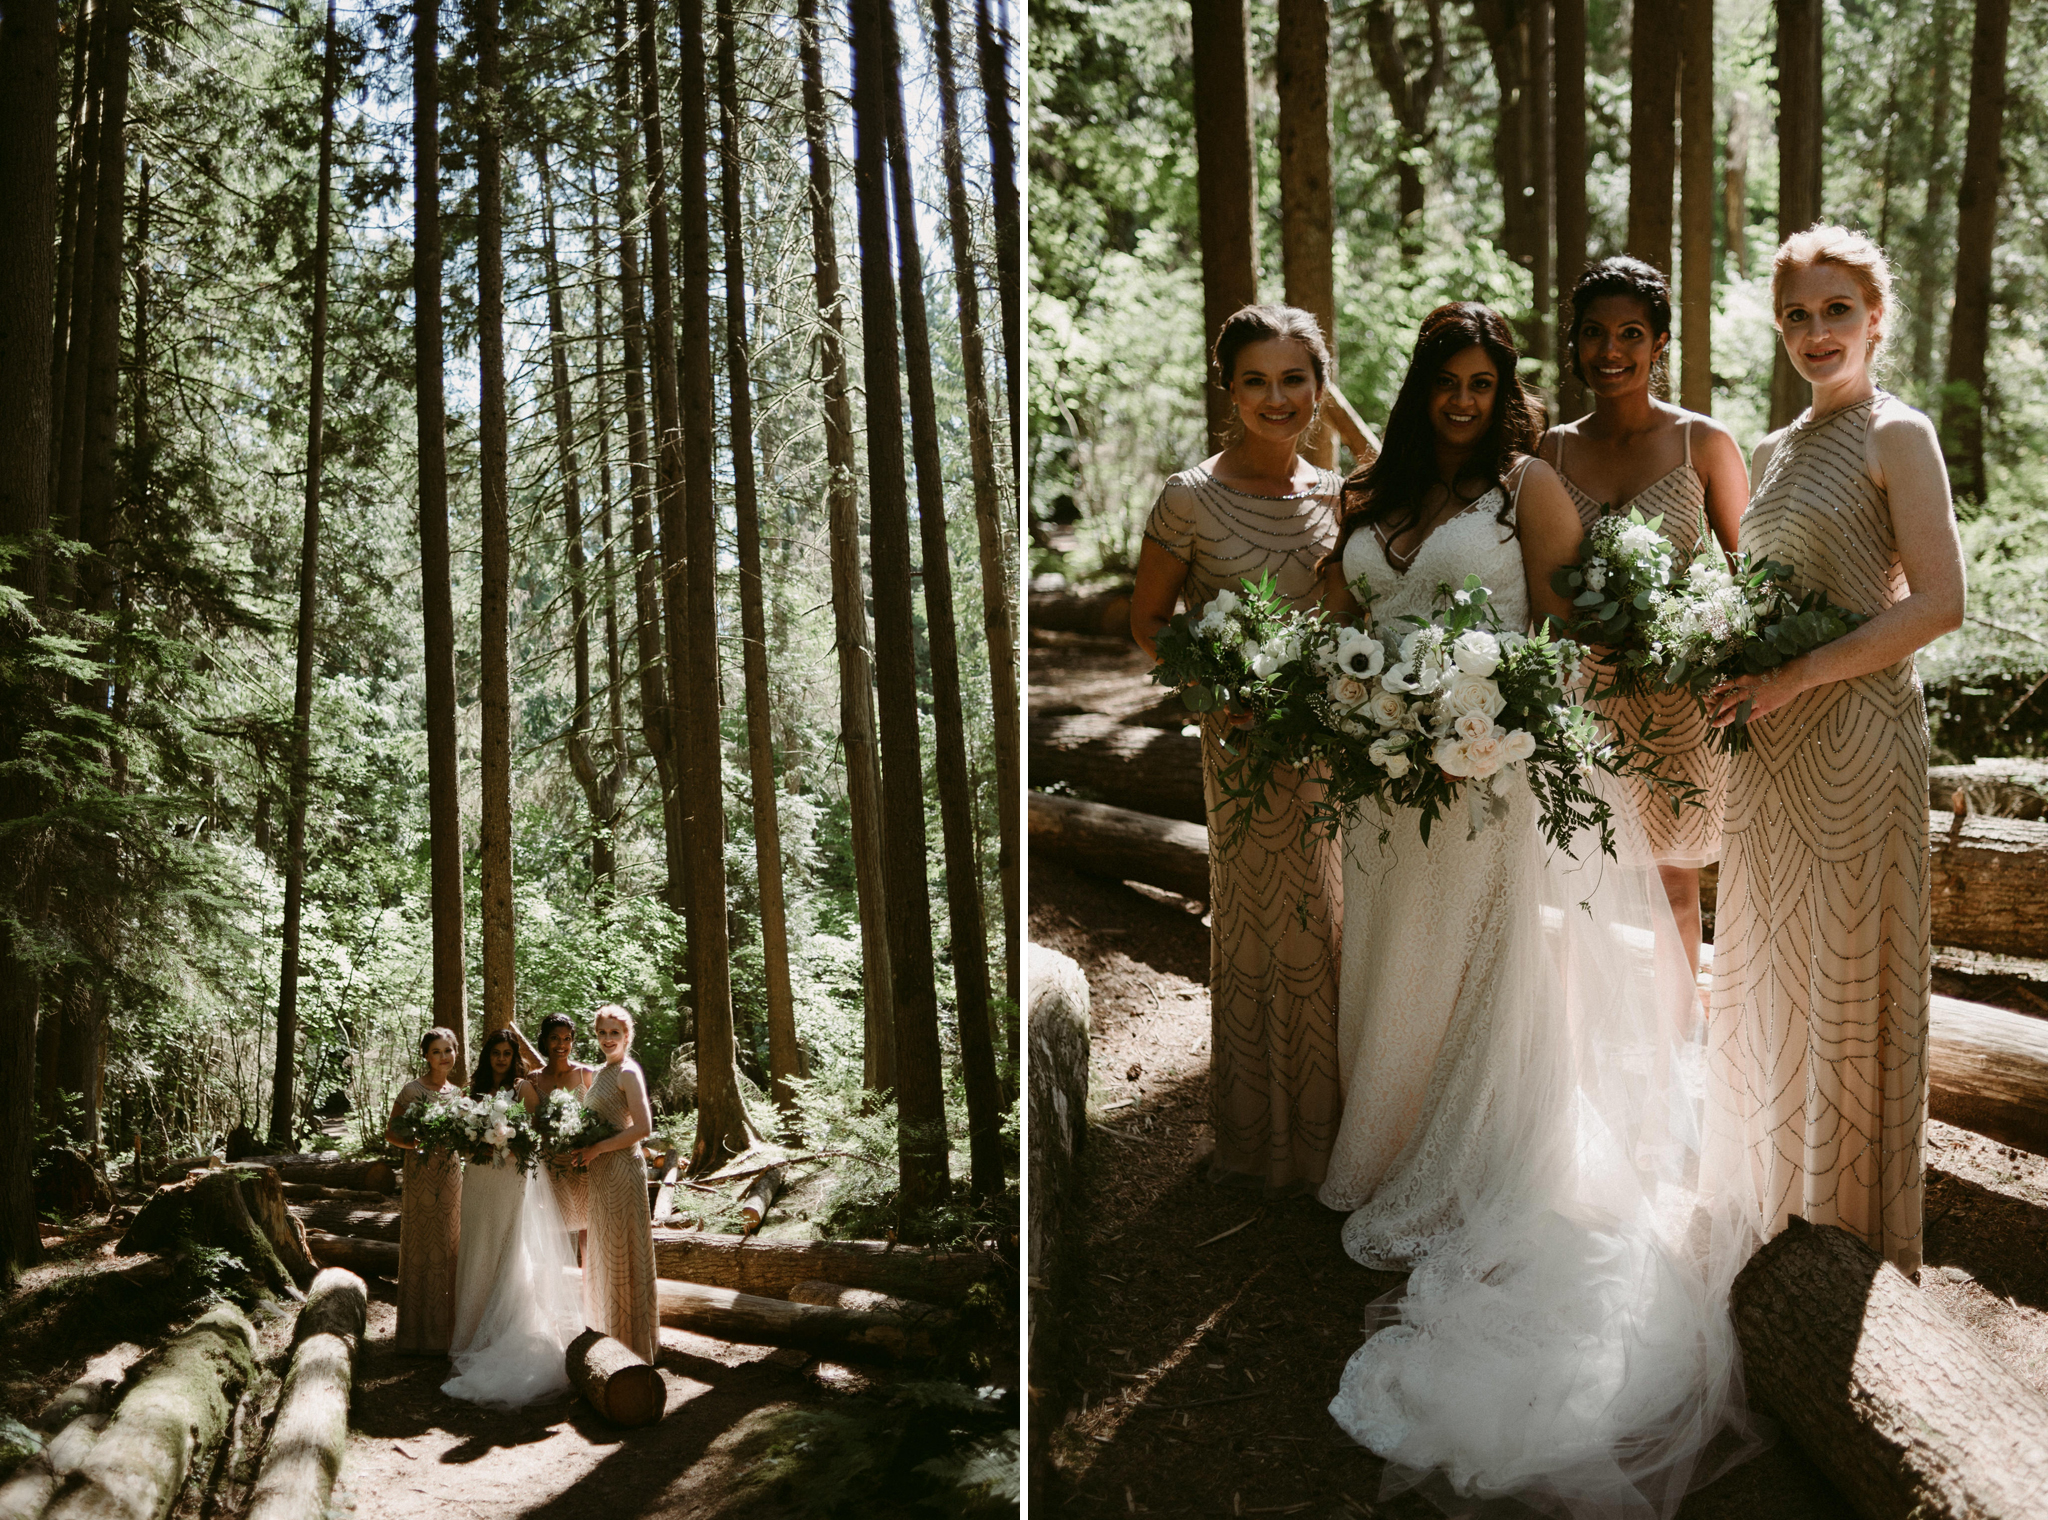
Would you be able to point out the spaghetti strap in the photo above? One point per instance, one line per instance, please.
(1514, 487)
(1688, 442)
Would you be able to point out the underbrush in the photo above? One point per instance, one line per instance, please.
(928, 1445)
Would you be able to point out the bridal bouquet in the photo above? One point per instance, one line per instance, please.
(1623, 568)
(1743, 618)
(481, 1130)
(563, 1124)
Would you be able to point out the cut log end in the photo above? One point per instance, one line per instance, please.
(616, 1382)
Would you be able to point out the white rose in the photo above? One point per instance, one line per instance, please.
(1359, 654)
(1520, 745)
(1221, 605)
(1450, 757)
(1486, 755)
(1476, 653)
(1473, 726)
(1470, 693)
(1349, 691)
(1387, 709)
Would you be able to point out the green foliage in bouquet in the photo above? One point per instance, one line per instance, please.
(1623, 568)
(563, 1124)
(479, 1130)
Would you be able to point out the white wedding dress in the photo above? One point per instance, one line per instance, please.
(517, 1300)
(1521, 1054)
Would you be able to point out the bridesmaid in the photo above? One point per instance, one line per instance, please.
(618, 1256)
(558, 1045)
(1259, 508)
(1818, 1039)
(430, 1224)
(1636, 451)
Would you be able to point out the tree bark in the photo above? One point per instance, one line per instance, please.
(1927, 239)
(1989, 884)
(1799, 184)
(208, 1208)
(1151, 770)
(1409, 94)
(1540, 107)
(310, 1433)
(309, 564)
(1899, 1406)
(74, 332)
(849, 606)
(29, 95)
(1569, 174)
(1652, 142)
(724, 1128)
(1307, 213)
(1969, 328)
(923, 1178)
(998, 572)
(1059, 1129)
(167, 1424)
(994, 38)
(1122, 845)
(88, 20)
(444, 798)
(1735, 184)
(832, 1331)
(1696, 209)
(1226, 180)
(784, 1059)
(968, 937)
(619, 1386)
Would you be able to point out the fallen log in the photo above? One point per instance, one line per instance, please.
(93, 1390)
(771, 1268)
(1152, 770)
(1120, 844)
(313, 1192)
(727, 1315)
(1988, 886)
(372, 1258)
(1102, 614)
(27, 1493)
(833, 1295)
(349, 1219)
(618, 1384)
(209, 1208)
(310, 1434)
(369, 1176)
(1899, 1406)
(2000, 788)
(665, 1195)
(1059, 1035)
(760, 1197)
(169, 1422)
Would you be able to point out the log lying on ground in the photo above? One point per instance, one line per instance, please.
(1901, 1408)
(1105, 614)
(93, 1390)
(26, 1494)
(310, 1434)
(349, 1219)
(760, 1197)
(1989, 884)
(208, 1208)
(1059, 1034)
(369, 1176)
(373, 1258)
(864, 1300)
(168, 1423)
(727, 1315)
(313, 1192)
(771, 1268)
(2000, 788)
(1990, 1072)
(619, 1386)
(1122, 845)
(1153, 770)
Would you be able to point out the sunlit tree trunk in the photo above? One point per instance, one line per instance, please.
(1570, 177)
(29, 95)
(1969, 329)
(849, 604)
(1799, 134)
(1226, 181)
(724, 1129)
(1928, 242)
(1652, 142)
(968, 940)
(444, 802)
(1307, 215)
(998, 618)
(923, 1178)
(1696, 209)
(281, 1105)
(993, 38)
(1735, 184)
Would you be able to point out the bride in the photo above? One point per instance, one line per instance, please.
(1519, 1051)
(517, 1306)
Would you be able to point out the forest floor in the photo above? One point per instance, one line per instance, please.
(1231, 1317)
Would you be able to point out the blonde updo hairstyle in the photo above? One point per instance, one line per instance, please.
(1856, 255)
(615, 1012)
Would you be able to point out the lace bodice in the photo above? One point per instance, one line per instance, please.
(1475, 542)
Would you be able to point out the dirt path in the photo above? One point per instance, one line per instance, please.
(1231, 1319)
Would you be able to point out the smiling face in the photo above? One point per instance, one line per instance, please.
(557, 1046)
(1275, 389)
(1462, 401)
(1830, 326)
(1617, 346)
(503, 1058)
(440, 1061)
(612, 1039)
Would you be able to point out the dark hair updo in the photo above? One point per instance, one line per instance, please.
(483, 1082)
(553, 1022)
(1254, 324)
(1618, 274)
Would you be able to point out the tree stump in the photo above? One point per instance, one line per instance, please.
(1898, 1405)
(208, 1208)
(310, 1434)
(263, 1196)
(170, 1422)
(70, 1184)
(619, 1386)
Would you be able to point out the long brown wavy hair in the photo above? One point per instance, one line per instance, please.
(1390, 490)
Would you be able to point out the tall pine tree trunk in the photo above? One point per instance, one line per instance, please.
(1570, 177)
(1540, 126)
(309, 562)
(923, 1178)
(1226, 182)
(1799, 131)
(1002, 148)
(1696, 209)
(444, 798)
(102, 355)
(998, 614)
(1928, 242)
(849, 602)
(88, 22)
(1969, 329)
(1735, 185)
(968, 939)
(29, 95)
(1652, 142)
(723, 1127)
(784, 1061)
(1307, 214)
(74, 329)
